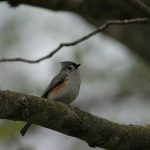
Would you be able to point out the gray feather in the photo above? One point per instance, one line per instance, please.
(58, 79)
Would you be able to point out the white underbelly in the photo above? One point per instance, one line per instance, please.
(68, 93)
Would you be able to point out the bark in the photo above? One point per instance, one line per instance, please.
(95, 11)
(96, 131)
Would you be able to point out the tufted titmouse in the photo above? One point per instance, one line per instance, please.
(64, 87)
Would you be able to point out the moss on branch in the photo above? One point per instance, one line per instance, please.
(96, 131)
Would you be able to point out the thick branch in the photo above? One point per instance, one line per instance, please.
(96, 131)
(88, 8)
(79, 40)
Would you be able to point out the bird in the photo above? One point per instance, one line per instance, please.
(64, 87)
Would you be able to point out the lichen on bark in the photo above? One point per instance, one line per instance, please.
(96, 131)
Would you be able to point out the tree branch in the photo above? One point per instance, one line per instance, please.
(97, 10)
(139, 5)
(80, 40)
(96, 131)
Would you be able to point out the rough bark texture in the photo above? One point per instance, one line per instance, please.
(96, 131)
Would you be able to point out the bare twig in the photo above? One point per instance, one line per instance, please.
(139, 5)
(83, 38)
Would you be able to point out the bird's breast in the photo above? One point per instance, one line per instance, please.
(67, 91)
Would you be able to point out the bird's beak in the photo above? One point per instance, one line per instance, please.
(77, 65)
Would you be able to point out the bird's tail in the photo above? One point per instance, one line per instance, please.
(25, 128)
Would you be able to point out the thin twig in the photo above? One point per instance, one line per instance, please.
(83, 38)
(139, 5)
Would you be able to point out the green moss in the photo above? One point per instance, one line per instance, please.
(9, 129)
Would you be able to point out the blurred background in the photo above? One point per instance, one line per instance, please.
(120, 79)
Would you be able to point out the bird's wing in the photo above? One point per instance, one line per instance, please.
(57, 80)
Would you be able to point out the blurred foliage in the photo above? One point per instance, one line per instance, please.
(135, 81)
(9, 139)
(8, 130)
(112, 78)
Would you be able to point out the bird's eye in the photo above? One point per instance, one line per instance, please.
(70, 68)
